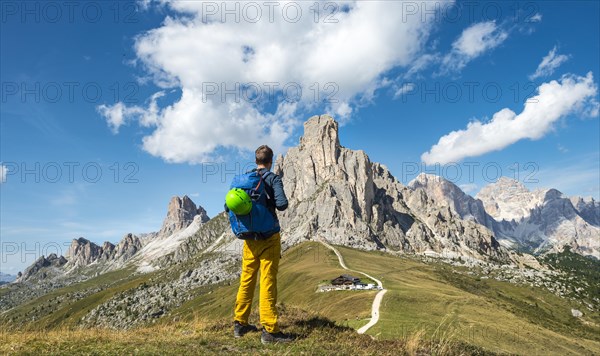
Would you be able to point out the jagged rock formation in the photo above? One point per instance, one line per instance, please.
(339, 195)
(180, 214)
(42, 268)
(543, 220)
(588, 209)
(205, 236)
(107, 251)
(445, 192)
(183, 219)
(328, 186)
(83, 252)
(126, 248)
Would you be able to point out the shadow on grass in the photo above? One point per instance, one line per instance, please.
(293, 321)
(318, 324)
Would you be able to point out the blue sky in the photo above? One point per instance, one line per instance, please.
(108, 109)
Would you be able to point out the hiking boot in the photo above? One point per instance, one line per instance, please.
(268, 338)
(240, 329)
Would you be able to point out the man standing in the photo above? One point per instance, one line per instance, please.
(262, 255)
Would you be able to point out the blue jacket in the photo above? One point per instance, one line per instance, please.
(275, 189)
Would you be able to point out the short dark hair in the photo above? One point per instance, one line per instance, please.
(264, 155)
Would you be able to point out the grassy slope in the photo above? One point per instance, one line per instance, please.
(49, 314)
(423, 301)
(315, 335)
(324, 324)
(112, 282)
(301, 270)
(499, 316)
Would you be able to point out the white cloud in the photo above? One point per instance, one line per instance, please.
(535, 18)
(472, 43)
(3, 171)
(549, 64)
(555, 99)
(344, 61)
(421, 63)
(118, 114)
(406, 88)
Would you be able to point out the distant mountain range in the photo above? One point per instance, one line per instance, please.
(6, 278)
(335, 195)
(535, 222)
(339, 195)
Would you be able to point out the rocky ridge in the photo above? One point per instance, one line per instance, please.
(44, 266)
(339, 195)
(543, 220)
(150, 301)
(85, 259)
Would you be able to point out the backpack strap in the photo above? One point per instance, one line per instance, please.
(263, 177)
(266, 174)
(259, 183)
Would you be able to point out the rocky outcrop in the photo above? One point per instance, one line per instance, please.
(206, 235)
(83, 252)
(148, 302)
(180, 214)
(108, 250)
(42, 268)
(588, 209)
(126, 248)
(330, 189)
(339, 195)
(444, 192)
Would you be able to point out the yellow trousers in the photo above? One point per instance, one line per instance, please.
(260, 255)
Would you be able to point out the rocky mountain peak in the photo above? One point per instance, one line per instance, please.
(541, 220)
(508, 184)
(83, 252)
(320, 128)
(321, 138)
(338, 194)
(445, 193)
(180, 214)
(508, 199)
(82, 241)
(438, 188)
(552, 194)
(424, 179)
(39, 267)
(126, 248)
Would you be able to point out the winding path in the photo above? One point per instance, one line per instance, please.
(378, 296)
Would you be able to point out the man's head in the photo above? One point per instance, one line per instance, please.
(264, 156)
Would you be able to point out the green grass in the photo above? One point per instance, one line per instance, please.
(50, 314)
(430, 308)
(314, 334)
(302, 269)
(498, 316)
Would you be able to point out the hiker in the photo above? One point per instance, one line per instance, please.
(262, 243)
